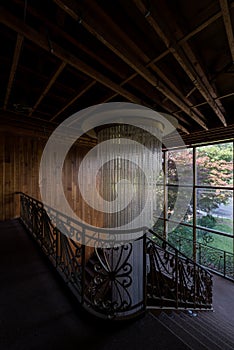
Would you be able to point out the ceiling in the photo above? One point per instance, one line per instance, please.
(60, 56)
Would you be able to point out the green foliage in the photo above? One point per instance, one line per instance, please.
(219, 152)
(207, 221)
(214, 168)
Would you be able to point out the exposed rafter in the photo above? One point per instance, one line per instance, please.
(185, 61)
(179, 126)
(205, 102)
(194, 32)
(219, 98)
(19, 26)
(191, 91)
(183, 129)
(39, 15)
(48, 86)
(74, 99)
(191, 34)
(109, 41)
(228, 25)
(18, 46)
(67, 37)
(203, 25)
(127, 62)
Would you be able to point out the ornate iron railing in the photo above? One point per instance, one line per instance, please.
(217, 260)
(101, 279)
(116, 282)
(174, 280)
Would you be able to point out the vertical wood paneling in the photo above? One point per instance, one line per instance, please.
(20, 160)
(71, 188)
(19, 172)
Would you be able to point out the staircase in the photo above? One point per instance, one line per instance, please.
(203, 330)
(38, 311)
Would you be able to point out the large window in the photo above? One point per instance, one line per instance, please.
(198, 204)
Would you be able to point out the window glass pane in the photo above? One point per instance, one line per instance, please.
(215, 240)
(179, 167)
(215, 251)
(179, 206)
(215, 209)
(215, 165)
(159, 227)
(182, 239)
(158, 210)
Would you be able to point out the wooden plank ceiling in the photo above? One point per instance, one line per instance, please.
(60, 56)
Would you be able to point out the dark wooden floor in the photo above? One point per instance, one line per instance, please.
(223, 299)
(37, 312)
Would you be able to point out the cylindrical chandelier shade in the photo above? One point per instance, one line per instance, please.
(131, 158)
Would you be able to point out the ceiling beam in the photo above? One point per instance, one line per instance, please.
(205, 102)
(194, 32)
(36, 13)
(191, 91)
(187, 62)
(56, 30)
(180, 127)
(174, 88)
(40, 40)
(18, 46)
(228, 25)
(107, 38)
(74, 99)
(159, 103)
(48, 87)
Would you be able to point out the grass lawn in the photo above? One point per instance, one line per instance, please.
(224, 225)
(223, 243)
(219, 242)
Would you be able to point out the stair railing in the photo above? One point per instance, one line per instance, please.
(71, 258)
(169, 279)
(217, 260)
(173, 280)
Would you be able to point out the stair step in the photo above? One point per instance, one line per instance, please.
(198, 332)
(219, 320)
(215, 332)
(189, 339)
(212, 317)
(220, 316)
(205, 329)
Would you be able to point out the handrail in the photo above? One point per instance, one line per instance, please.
(174, 280)
(72, 260)
(83, 225)
(212, 261)
(91, 278)
(175, 249)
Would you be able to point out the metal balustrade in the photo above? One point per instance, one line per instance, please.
(174, 280)
(217, 260)
(117, 282)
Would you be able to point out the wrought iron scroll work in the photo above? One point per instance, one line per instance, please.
(104, 283)
(108, 286)
(215, 259)
(175, 281)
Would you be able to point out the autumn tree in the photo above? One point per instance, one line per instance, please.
(214, 168)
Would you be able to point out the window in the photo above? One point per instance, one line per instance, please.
(198, 214)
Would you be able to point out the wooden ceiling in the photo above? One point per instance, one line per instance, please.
(60, 56)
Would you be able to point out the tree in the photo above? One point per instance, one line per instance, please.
(214, 168)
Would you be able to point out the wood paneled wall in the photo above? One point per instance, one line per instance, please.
(20, 160)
